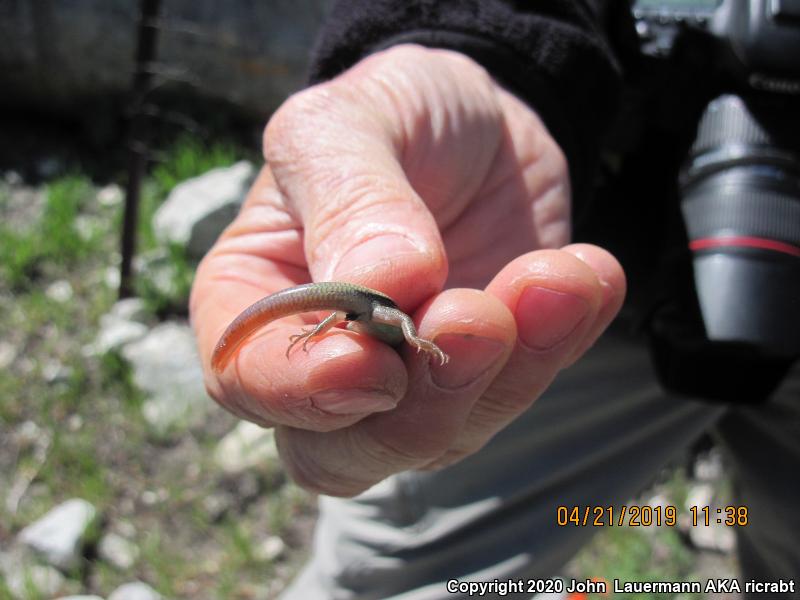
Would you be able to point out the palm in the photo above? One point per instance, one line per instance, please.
(411, 172)
(497, 188)
(481, 162)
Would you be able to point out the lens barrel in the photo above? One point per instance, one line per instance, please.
(741, 206)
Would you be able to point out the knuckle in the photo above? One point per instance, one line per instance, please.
(357, 198)
(295, 125)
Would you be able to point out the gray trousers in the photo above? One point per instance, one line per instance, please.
(598, 436)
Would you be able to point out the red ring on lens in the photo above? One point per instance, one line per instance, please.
(744, 241)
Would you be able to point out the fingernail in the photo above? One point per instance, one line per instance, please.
(373, 252)
(600, 268)
(547, 317)
(470, 357)
(353, 402)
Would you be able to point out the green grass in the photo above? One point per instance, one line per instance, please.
(641, 553)
(110, 458)
(116, 375)
(87, 407)
(72, 226)
(190, 157)
(56, 243)
(631, 554)
(166, 289)
(164, 566)
(187, 158)
(166, 281)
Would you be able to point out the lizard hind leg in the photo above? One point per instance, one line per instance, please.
(328, 322)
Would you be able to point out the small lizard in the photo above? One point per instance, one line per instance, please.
(365, 311)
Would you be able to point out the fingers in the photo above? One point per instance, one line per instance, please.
(506, 346)
(478, 333)
(353, 192)
(340, 379)
(374, 165)
(613, 287)
(378, 419)
(261, 253)
(363, 222)
(562, 301)
(337, 200)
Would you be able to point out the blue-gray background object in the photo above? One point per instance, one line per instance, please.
(59, 55)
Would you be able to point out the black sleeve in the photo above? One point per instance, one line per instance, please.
(557, 55)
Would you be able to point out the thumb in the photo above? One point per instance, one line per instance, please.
(334, 150)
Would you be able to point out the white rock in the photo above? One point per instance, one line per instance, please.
(197, 210)
(54, 371)
(115, 335)
(117, 551)
(60, 291)
(650, 524)
(217, 504)
(710, 466)
(8, 353)
(87, 226)
(166, 367)
(25, 365)
(28, 434)
(110, 195)
(110, 277)
(153, 497)
(13, 178)
(247, 446)
(716, 536)
(128, 309)
(15, 559)
(271, 549)
(42, 580)
(80, 597)
(160, 271)
(699, 494)
(123, 324)
(59, 535)
(134, 591)
(126, 529)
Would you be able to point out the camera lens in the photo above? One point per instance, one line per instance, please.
(741, 207)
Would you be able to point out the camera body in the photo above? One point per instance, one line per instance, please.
(757, 42)
(739, 185)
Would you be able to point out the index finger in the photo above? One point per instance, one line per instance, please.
(336, 383)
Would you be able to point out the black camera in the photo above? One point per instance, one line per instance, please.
(739, 186)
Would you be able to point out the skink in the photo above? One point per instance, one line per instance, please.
(365, 311)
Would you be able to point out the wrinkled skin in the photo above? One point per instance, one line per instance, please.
(416, 174)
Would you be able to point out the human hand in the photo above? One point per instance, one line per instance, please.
(410, 173)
